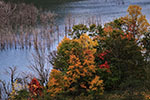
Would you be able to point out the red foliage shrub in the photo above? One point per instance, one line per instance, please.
(35, 88)
(104, 65)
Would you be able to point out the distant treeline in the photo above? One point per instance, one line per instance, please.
(46, 4)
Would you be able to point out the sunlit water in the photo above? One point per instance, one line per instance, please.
(81, 11)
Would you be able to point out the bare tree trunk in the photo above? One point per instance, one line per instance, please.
(4, 88)
(12, 73)
(39, 62)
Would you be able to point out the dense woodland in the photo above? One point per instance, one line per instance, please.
(92, 62)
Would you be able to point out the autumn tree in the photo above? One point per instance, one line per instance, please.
(56, 83)
(136, 22)
(125, 58)
(79, 70)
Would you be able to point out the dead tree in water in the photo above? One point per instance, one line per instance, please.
(38, 65)
(6, 87)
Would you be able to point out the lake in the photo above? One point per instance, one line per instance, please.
(79, 10)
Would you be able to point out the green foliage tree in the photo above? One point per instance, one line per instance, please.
(125, 57)
(145, 44)
(78, 30)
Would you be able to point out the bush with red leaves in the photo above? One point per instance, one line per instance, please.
(35, 88)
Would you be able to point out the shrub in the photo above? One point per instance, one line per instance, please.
(22, 95)
(35, 88)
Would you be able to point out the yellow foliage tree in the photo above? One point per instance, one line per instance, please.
(136, 22)
(80, 76)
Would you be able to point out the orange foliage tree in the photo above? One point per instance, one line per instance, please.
(79, 75)
(56, 82)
